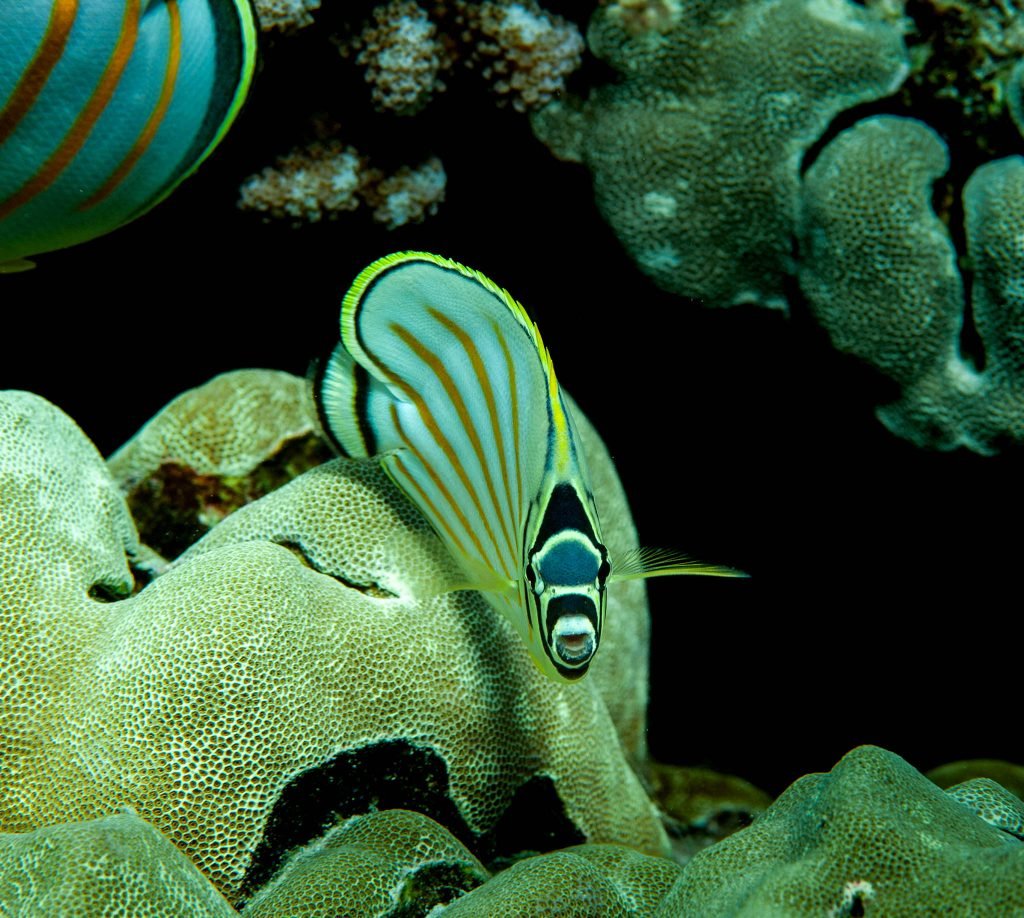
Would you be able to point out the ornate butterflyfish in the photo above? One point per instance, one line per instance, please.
(443, 375)
(106, 106)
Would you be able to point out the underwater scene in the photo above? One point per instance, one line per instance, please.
(511, 458)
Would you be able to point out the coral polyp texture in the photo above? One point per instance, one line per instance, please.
(871, 836)
(880, 273)
(279, 676)
(696, 150)
(115, 865)
(278, 719)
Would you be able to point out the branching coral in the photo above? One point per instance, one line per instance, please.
(325, 179)
(408, 53)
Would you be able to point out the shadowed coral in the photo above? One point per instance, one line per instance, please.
(993, 803)
(194, 463)
(371, 865)
(245, 699)
(1010, 776)
(285, 15)
(578, 882)
(871, 835)
(696, 152)
(118, 865)
(701, 806)
(880, 273)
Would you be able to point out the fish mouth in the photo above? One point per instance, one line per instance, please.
(574, 639)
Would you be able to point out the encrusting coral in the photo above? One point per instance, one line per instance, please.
(115, 865)
(279, 707)
(696, 151)
(367, 866)
(606, 880)
(271, 681)
(880, 273)
(872, 835)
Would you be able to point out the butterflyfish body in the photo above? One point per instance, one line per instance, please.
(106, 106)
(443, 375)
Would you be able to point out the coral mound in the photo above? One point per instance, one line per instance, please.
(280, 676)
(696, 152)
(871, 836)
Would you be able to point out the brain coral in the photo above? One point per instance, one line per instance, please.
(256, 692)
(873, 835)
(880, 273)
(696, 151)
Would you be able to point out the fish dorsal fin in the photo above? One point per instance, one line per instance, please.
(660, 562)
(457, 390)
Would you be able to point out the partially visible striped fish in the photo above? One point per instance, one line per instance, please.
(442, 373)
(106, 105)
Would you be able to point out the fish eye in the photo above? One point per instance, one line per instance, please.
(605, 569)
(536, 584)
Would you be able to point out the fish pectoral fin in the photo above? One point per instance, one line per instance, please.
(659, 562)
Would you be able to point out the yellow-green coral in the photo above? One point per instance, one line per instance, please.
(256, 692)
(372, 865)
(117, 865)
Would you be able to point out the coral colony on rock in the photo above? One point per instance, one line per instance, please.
(234, 675)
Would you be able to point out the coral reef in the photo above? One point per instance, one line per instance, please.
(278, 677)
(871, 835)
(696, 151)
(696, 155)
(880, 273)
(276, 707)
(115, 865)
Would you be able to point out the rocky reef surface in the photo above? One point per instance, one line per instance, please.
(249, 708)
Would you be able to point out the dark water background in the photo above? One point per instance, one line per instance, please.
(884, 602)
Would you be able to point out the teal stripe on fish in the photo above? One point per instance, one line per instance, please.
(106, 105)
(443, 375)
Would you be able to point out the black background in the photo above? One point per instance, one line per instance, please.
(883, 602)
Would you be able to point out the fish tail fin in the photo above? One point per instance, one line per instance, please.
(659, 562)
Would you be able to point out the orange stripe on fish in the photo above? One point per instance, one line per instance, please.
(149, 130)
(79, 132)
(62, 17)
